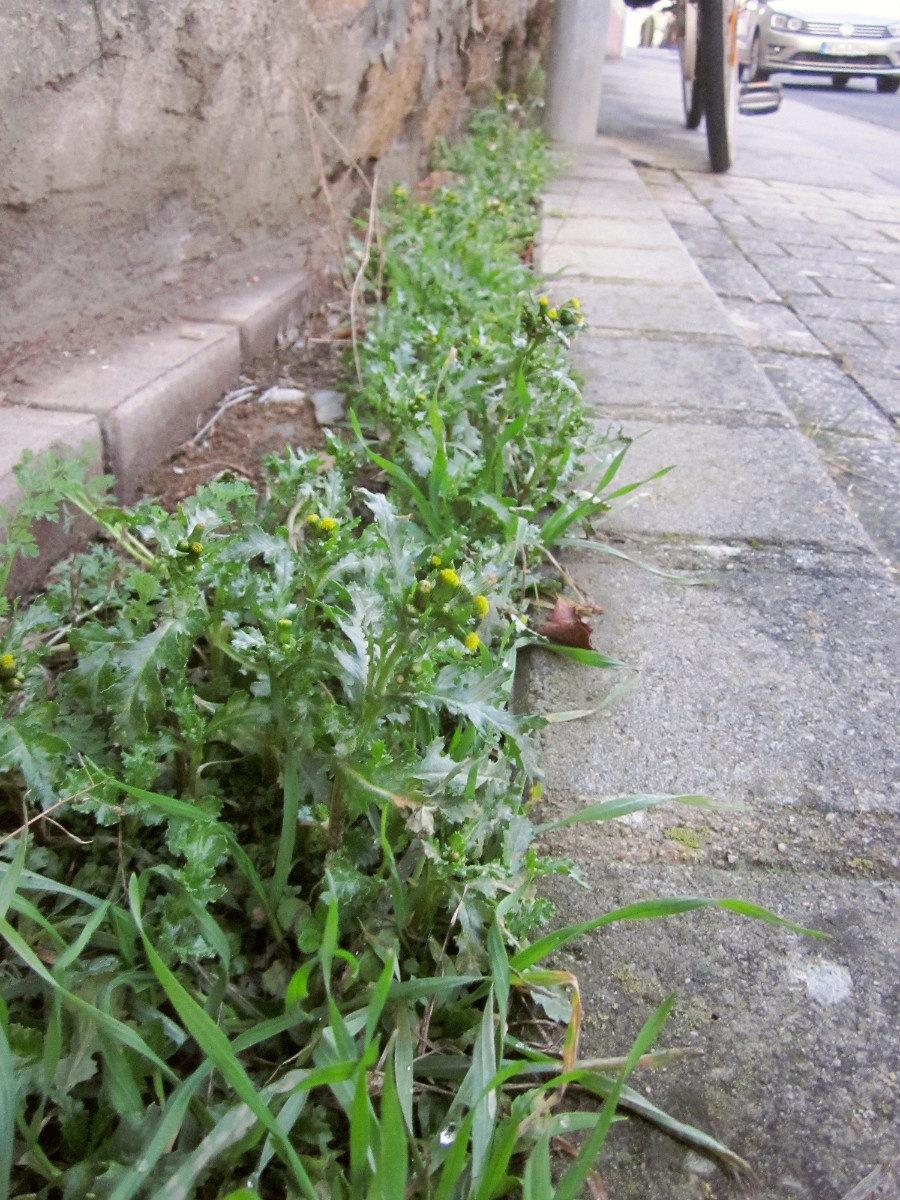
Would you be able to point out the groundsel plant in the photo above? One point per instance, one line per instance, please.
(270, 898)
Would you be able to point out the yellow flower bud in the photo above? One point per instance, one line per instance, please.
(450, 576)
(481, 606)
(472, 642)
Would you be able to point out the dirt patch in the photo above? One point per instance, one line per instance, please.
(274, 407)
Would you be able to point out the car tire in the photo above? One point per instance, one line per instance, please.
(840, 81)
(755, 73)
(888, 83)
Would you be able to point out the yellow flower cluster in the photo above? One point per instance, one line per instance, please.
(323, 525)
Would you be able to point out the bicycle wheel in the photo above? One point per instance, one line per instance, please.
(718, 66)
(692, 90)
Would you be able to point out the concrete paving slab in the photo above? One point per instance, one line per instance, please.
(260, 311)
(662, 266)
(868, 472)
(24, 429)
(771, 327)
(867, 310)
(758, 247)
(608, 231)
(736, 278)
(633, 203)
(822, 396)
(690, 308)
(789, 278)
(841, 336)
(826, 269)
(882, 390)
(860, 289)
(875, 362)
(689, 213)
(707, 243)
(776, 689)
(779, 492)
(888, 335)
(798, 1035)
(628, 373)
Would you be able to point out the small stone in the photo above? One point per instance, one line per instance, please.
(330, 406)
(282, 395)
(782, 846)
(192, 333)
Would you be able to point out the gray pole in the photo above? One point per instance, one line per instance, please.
(577, 51)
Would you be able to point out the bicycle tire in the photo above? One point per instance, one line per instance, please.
(691, 85)
(714, 68)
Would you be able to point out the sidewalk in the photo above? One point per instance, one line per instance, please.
(775, 686)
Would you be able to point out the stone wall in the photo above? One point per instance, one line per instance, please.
(140, 135)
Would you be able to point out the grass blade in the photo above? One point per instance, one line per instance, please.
(570, 1185)
(634, 1102)
(621, 806)
(536, 1181)
(215, 1045)
(642, 910)
(7, 1106)
(393, 1164)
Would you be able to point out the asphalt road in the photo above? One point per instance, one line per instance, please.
(818, 138)
(858, 100)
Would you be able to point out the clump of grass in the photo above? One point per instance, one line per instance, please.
(269, 890)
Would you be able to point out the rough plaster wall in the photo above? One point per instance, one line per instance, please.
(144, 134)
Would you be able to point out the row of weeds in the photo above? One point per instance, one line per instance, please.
(269, 890)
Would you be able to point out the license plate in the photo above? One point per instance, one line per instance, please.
(843, 49)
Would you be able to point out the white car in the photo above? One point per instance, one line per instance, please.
(822, 37)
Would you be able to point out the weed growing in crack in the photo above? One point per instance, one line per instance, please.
(269, 882)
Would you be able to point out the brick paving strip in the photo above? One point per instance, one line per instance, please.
(775, 686)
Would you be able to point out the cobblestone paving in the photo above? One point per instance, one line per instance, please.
(811, 278)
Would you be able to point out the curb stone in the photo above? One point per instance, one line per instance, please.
(135, 406)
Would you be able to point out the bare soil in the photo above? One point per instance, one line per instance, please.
(249, 424)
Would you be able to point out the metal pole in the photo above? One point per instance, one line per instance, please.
(577, 51)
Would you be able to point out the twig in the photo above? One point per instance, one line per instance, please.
(237, 397)
(589, 601)
(26, 824)
(62, 829)
(323, 179)
(354, 291)
(65, 630)
(426, 1019)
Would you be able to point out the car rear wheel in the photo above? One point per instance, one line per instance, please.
(755, 73)
(889, 83)
(840, 81)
